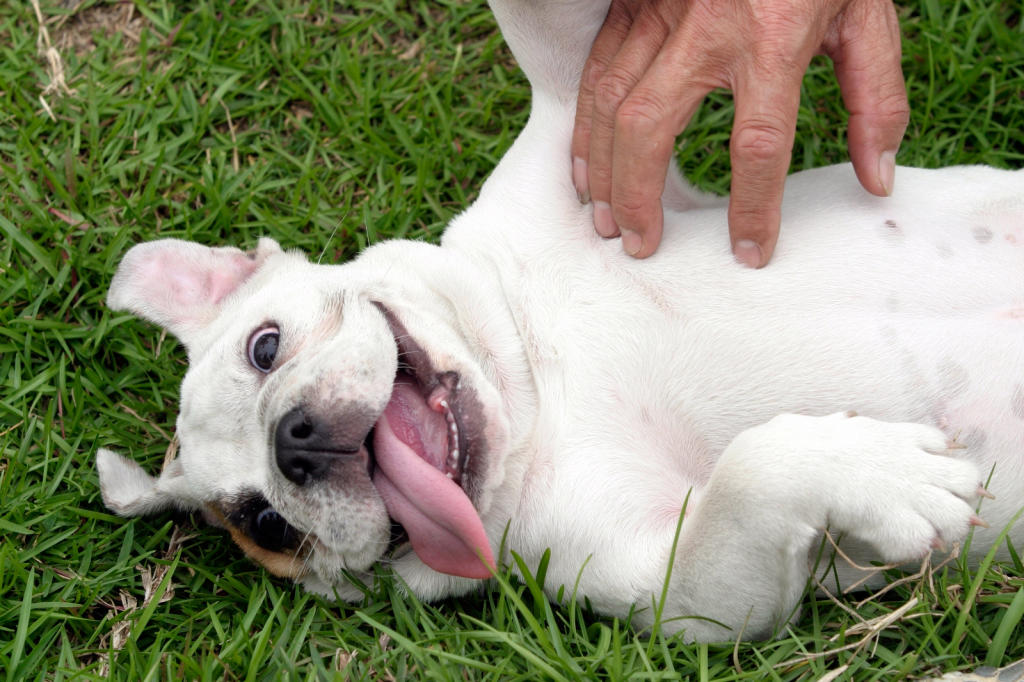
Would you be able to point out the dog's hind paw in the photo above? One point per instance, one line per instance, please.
(900, 490)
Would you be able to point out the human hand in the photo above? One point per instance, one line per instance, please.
(652, 63)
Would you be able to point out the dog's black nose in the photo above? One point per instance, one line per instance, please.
(305, 449)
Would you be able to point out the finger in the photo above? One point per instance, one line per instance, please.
(646, 126)
(760, 149)
(866, 54)
(637, 52)
(606, 45)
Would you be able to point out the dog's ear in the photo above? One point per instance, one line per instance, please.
(179, 285)
(129, 491)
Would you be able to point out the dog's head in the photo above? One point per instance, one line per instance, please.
(330, 416)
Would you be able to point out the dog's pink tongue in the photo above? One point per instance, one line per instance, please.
(411, 446)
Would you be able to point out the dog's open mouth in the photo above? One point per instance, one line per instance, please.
(421, 461)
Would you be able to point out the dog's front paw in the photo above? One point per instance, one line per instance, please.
(897, 487)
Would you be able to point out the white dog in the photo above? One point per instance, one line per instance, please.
(527, 386)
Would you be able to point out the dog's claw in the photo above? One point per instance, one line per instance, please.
(978, 521)
(982, 492)
(952, 444)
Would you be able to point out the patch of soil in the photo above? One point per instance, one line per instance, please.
(78, 30)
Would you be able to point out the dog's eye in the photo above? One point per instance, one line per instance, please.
(270, 531)
(263, 348)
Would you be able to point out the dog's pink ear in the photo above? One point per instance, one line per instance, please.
(179, 285)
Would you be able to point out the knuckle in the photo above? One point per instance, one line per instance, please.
(760, 142)
(600, 177)
(887, 112)
(781, 31)
(655, 20)
(640, 113)
(780, 55)
(895, 107)
(632, 210)
(611, 89)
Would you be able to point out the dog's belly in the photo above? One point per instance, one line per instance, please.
(904, 309)
(621, 450)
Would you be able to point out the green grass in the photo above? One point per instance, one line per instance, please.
(330, 126)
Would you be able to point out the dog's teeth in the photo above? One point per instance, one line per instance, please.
(453, 461)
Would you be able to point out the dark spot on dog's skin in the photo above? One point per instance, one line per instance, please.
(1017, 402)
(944, 250)
(892, 231)
(982, 235)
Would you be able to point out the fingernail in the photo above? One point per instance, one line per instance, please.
(581, 179)
(747, 252)
(887, 171)
(632, 242)
(604, 223)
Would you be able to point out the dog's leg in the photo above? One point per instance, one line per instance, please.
(742, 556)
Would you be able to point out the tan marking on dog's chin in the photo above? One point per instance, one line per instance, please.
(281, 564)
